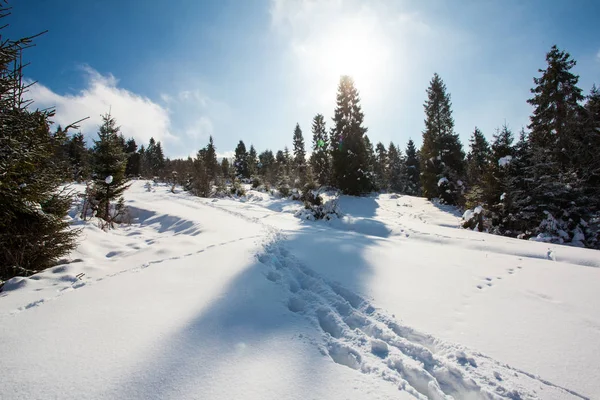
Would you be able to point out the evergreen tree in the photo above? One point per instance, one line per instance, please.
(413, 171)
(556, 206)
(240, 162)
(79, 158)
(557, 108)
(210, 160)
(381, 167)
(252, 161)
(370, 154)
(497, 174)
(225, 168)
(266, 166)
(349, 154)
(299, 150)
(320, 155)
(478, 158)
(133, 167)
(109, 163)
(33, 230)
(396, 171)
(442, 157)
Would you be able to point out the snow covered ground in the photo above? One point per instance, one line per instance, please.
(226, 299)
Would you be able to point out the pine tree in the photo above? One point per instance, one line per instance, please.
(109, 163)
(497, 174)
(349, 155)
(413, 170)
(210, 160)
(557, 108)
(320, 154)
(299, 150)
(33, 231)
(381, 167)
(442, 157)
(79, 158)
(133, 167)
(240, 162)
(556, 207)
(370, 154)
(396, 170)
(252, 161)
(478, 158)
(266, 166)
(225, 169)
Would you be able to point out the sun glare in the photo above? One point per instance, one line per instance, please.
(354, 48)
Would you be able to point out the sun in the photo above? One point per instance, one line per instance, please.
(352, 47)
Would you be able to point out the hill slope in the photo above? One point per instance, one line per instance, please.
(220, 299)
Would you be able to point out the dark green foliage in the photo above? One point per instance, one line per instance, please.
(267, 167)
(133, 167)
(396, 169)
(381, 167)
(320, 156)
(240, 162)
(225, 169)
(349, 155)
(299, 149)
(478, 158)
(413, 170)
(153, 160)
(252, 162)
(205, 170)
(33, 231)
(79, 158)
(442, 157)
(109, 160)
(210, 160)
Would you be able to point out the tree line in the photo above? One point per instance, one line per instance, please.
(545, 184)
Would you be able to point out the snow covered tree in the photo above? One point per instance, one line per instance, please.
(413, 170)
(320, 155)
(240, 162)
(442, 157)
(299, 149)
(133, 167)
(557, 107)
(478, 158)
(79, 157)
(33, 231)
(252, 161)
(349, 155)
(396, 169)
(109, 163)
(381, 167)
(225, 169)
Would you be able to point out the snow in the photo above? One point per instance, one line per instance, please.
(504, 161)
(109, 179)
(442, 181)
(241, 299)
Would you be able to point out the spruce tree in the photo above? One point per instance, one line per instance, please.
(495, 182)
(557, 207)
(225, 169)
(299, 150)
(396, 170)
(33, 231)
(109, 163)
(252, 162)
(442, 157)
(478, 158)
(79, 158)
(133, 167)
(349, 154)
(266, 166)
(381, 167)
(557, 107)
(240, 162)
(211, 163)
(413, 170)
(320, 155)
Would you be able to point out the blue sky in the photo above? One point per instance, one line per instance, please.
(186, 69)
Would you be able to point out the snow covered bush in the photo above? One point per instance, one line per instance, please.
(237, 189)
(313, 211)
(473, 219)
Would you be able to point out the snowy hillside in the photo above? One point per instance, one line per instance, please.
(240, 299)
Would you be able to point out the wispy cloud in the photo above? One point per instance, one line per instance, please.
(182, 121)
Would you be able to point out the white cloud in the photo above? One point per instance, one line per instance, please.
(181, 121)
